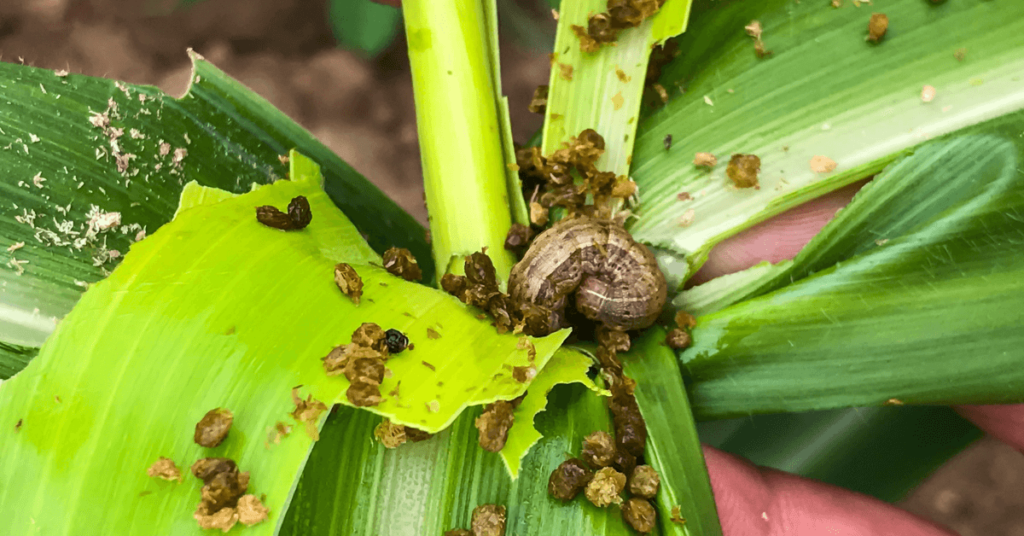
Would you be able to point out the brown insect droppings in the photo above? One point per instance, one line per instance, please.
(280, 430)
(623, 188)
(348, 282)
(213, 428)
(661, 91)
(565, 70)
(224, 519)
(428, 365)
(605, 487)
(622, 75)
(743, 170)
(308, 411)
(617, 101)
(272, 217)
(598, 449)
(877, 26)
(644, 482)
(390, 435)
(298, 216)
(494, 424)
(678, 339)
(431, 334)
(569, 479)
(539, 103)
(223, 486)
(251, 510)
(959, 54)
(706, 160)
(823, 164)
(927, 93)
(370, 335)
(299, 212)
(164, 468)
(754, 30)
(685, 320)
(630, 429)
(461, 532)
(525, 343)
(587, 43)
(400, 262)
(17, 425)
(518, 237)
(488, 520)
(538, 214)
(524, 374)
(677, 515)
(640, 515)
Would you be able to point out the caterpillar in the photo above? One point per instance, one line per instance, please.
(616, 279)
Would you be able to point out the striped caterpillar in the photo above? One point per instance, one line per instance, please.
(617, 280)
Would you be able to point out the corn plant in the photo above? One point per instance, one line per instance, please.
(140, 292)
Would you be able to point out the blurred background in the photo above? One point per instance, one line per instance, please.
(338, 67)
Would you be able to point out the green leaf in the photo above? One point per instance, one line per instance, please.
(14, 358)
(673, 448)
(882, 452)
(595, 95)
(231, 138)
(892, 324)
(363, 25)
(566, 366)
(354, 486)
(824, 91)
(876, 214)
(216, 310)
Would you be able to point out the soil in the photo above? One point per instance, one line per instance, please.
(363, 110)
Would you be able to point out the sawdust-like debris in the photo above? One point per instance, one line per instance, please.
(164, 468)
(823, 164)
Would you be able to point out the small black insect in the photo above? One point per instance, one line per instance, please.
(395, 340)
(668, 141)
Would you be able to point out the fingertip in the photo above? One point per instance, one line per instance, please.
(776, 239)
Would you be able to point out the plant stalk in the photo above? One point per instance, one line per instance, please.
(454, 74)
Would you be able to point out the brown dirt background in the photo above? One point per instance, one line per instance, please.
(363, 110)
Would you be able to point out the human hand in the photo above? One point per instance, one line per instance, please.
(755, 501)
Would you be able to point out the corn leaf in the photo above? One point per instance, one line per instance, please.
(673, 448)
(364, 26)
(892, 324)
(216, 310)
(432, 486)
(883, 452)
(879, 212)
(823, 91)
(602, 90)
(566, 366)
(59, 171)
(14, 358)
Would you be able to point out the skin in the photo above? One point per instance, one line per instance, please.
(755, 501)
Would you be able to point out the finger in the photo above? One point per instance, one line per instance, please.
(777, 239)
(1005, 423)
(755, 501)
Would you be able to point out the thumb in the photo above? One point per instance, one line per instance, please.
(777, 239)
